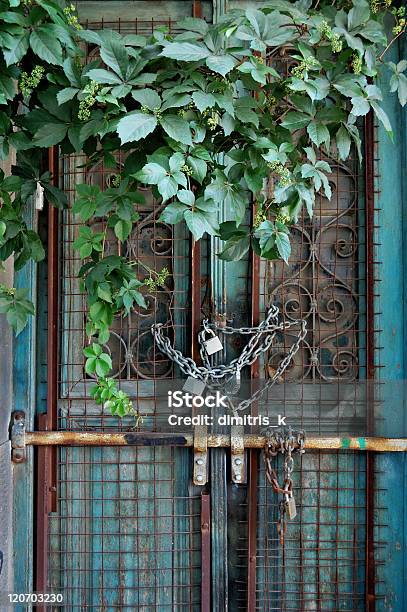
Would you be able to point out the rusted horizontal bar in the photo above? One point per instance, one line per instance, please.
(81, 438)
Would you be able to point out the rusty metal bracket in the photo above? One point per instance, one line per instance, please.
(17, 436)
(200, 455)
(237, 454)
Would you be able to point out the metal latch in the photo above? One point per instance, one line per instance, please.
(200, 455)
(237, 454)
(17, 435)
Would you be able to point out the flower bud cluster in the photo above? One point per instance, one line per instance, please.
(334, 38)
(153, 284)
(281, 171)
(306, 64)
(71, 17)
(356, 63)
(86, 104)
(28, 82)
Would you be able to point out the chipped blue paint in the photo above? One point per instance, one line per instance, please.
(392, 467)
(24, 391)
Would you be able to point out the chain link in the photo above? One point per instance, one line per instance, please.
(260, 342)
(287, 444)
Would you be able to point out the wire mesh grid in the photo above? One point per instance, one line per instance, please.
(127, 532)
(152, 245)
(325, 283)
(321, 565)
(137, 364)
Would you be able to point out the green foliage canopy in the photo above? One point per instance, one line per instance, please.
(206, 117)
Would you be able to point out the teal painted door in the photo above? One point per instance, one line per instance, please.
(124, 529)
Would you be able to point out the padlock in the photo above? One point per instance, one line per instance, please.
(213, 345)
(289, 505)
(194, 386)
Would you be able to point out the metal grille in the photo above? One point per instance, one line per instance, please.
(137, 363)
(127, 532)
(322, 563)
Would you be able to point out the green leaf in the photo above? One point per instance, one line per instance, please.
(66, 94)
(238, 203)
(244, 110)
(382, 116)
(173, 213)
(185, 51)
(176, 161)
(307, 196)
(221, 64)
(104, 293)
(186, 197)
(201, 152)
(114, 54)
(104, 76)
(167, 187)
(198, 223)
(55, 195)
(122, 229)
(151, 174)
(266, 234)
(360, 106)
(147, 97)
(199, 168)
(254, 179)
(177, 100)
(50, 134)
(318, 132)
(103, 365)
(343, 143)
(194, 24)
(177, 128)
(359, 14)
(227, 123)
(295, 120)
(46, 46)
(16, 49)
(135, 126)
(203, 100)
(283, 245)
(235, 248)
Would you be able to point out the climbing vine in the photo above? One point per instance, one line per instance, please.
(205, 117)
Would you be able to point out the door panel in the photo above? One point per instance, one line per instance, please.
(126, 529)
(127, 532)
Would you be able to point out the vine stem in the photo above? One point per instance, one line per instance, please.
(380, 58)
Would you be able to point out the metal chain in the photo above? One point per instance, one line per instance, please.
(251, 352)
(286, 444)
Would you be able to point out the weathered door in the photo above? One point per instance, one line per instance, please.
(125, 528)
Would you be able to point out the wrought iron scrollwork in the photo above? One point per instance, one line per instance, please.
(320, 284)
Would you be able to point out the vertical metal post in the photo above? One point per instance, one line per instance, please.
(370, 356)
(206, 553)
(44, 479)
(197, 9)
(195, 298)
(253, 454)
(47, 457)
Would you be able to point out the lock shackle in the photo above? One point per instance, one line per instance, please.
(209, 331)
